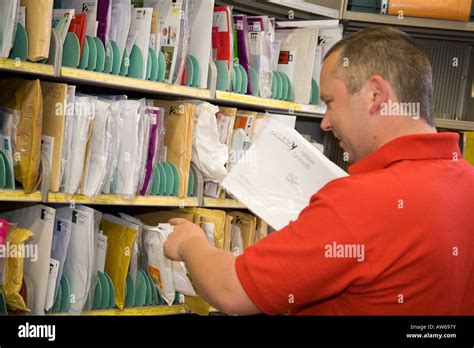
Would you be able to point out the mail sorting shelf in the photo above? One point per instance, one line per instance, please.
(143, 86)
(133, 311)
(159, 201)
(152, 201)
(408, 21)
(17, 66)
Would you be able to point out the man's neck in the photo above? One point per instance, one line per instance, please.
(411, 127)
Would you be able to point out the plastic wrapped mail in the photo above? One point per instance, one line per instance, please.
(144, 140)
(159, 267)
(174, 21)
(209, 155)
(277, 176)
(61, 237)
(104, 16)
(9, 11)
(101, 149)
(260, 46)
(120, 22)
(116, 115)
(155, 141)
(297, 56)
(78, 265)
(79, 132)
(129, 160)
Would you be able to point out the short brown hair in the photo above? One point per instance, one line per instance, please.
(391, 54)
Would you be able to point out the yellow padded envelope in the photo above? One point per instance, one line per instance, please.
(13, 271)
(247, 224)
(216, 217)
(39, 15)
(179, 124)
(162, 217)
(54, 109)
(119, 250)
(25, 96)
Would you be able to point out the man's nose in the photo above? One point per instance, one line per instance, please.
(325, 124)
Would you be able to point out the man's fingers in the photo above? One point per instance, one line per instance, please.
(177, 221)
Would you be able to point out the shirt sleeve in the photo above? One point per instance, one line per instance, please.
(303, 262)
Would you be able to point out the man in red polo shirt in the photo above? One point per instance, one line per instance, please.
(394, 237)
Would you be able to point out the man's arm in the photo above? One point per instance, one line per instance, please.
(212, 270)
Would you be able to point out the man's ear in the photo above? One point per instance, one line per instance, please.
(377, 88)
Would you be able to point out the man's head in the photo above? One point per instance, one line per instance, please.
(377, 84)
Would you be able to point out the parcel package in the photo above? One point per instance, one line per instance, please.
(39, 16)
(179, 121)
(247, 223)
(38, 219)
(121, 235)
(455, 10)
(54, 114)
(25, 97)
(13, 271)
(213, 223)
(162, 217)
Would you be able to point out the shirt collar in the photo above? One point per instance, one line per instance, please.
(410, 147)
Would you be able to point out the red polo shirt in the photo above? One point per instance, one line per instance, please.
(395, 237)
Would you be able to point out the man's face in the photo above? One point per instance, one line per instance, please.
(346, 115)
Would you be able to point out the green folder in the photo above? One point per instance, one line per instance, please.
(100, 63)
(154, 65)
(140, 289)
(129, 292)
(136, 63)
(116, 58)
(104, 301)
(92, 62)
(85, 55)
(71, 51)
(65, 294)
(20, 45)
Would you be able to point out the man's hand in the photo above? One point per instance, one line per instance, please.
(184, 232)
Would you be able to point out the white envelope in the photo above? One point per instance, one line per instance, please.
(101, 252)
(144, 139)
(116, 117)
(236, 241)
(120, 22)
(200, 42)
(128, 159)
(93, 251)
(278, 175)
(299, 45)
(9, 10)
(141, 24)
(78, 264)
(78, 129)
(39, 219)
(100, 150)
(61, 238)
(69, 113)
